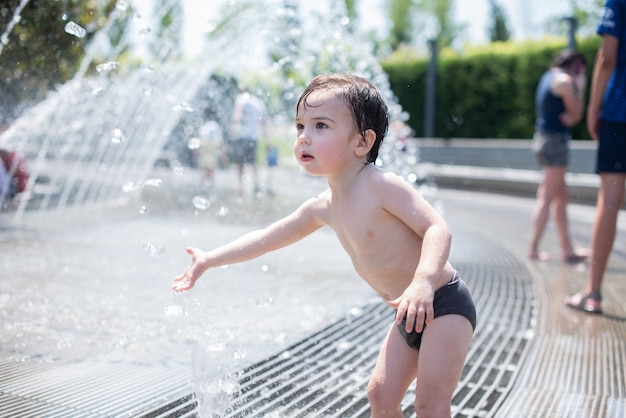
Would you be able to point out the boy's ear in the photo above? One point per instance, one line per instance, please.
(365, 143)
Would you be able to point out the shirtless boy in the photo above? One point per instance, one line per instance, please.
(397, 243)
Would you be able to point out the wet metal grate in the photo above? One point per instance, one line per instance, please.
(327, 373)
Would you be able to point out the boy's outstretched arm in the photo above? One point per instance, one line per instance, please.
(281, 233)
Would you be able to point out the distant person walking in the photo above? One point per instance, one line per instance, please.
(211, 150)
(249, 120)
(606, 121)
(559, 102)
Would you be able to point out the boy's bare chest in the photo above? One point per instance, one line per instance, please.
(363, 228)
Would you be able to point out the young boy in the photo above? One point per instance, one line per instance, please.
(397, 243)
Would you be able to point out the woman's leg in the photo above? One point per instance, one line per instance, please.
(552, 177)
(561, 200)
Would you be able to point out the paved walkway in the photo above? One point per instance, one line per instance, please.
(84, 332)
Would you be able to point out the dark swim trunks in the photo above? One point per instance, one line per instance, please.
(611, 157)
(453, 298)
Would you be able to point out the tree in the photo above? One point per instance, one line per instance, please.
(168, 43)
(439, 21)
(442, 11)
(586, 13)
(499, 30)
(401, 16)
(40, 50)
(351, 9)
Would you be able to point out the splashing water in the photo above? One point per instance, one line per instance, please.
(96, 141)
(214, 385)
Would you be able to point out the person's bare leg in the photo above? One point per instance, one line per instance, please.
(541, 214)
(255, 176)
(442, 357)
(561, 200)
(395, 369)
(240, 178)
(610, 199)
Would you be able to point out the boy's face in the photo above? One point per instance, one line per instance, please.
(326, 138)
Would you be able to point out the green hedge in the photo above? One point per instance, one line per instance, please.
(487, 92)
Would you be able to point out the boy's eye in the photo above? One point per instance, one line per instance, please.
(320, 125)
(299, 126)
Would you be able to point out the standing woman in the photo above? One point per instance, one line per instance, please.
(606, 121)
(559, 103)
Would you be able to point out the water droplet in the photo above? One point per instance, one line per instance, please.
(129, 187)
(75, 29)
(121, 5)
(173, 311)
(215, 347)
(154, 182)
(356, 311)
(107, 66)
(117, 136)
(96, 90)
(265, 302)
(343, 345)
(153, 250)
(182, 106)
(193, 143)
(223, 211)
(201, 203)
(143, 210)
(265, 268)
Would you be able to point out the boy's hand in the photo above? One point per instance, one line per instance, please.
(193, 272)
(417, 304)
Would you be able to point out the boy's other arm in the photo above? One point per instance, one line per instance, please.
(281, 233)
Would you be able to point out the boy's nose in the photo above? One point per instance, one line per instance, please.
(303, 138)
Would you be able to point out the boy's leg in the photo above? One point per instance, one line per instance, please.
(395, 369)
(442, 357)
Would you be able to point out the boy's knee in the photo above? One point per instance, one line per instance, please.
(374, 392)
(432, 406)
(379, 398)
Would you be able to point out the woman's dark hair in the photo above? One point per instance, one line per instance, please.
(367, 105)
(568, 58)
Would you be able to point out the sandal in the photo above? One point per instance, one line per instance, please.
(574, 258)
(587, 303)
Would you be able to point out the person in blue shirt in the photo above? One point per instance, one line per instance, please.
(559, 105)
(606, 122)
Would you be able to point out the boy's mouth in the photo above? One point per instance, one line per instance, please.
(305, 156)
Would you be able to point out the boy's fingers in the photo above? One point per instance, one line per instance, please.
(430, 315)
(400, 311)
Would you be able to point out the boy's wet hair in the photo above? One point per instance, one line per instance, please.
(364, 100)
